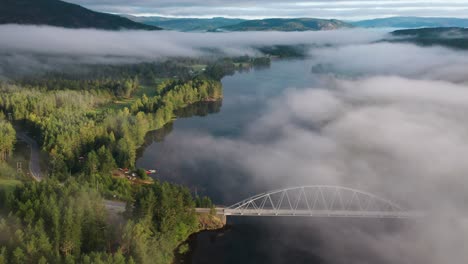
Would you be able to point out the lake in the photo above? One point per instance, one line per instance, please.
(247, 96)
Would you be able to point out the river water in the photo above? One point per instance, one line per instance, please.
(246, 97)
(246, 240)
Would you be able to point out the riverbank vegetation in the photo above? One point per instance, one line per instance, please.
(83, 131)
(93, 120)
(49, 222)
(81, 134)
(87, 124)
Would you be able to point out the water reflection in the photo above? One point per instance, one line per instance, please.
(198, 109)
(247, 95)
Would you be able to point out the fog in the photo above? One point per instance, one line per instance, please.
(43, 48)
(408, 60)
(157, 44)
(403, 139)
(386, 118)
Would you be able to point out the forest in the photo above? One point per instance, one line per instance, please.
(49, 222)
(7, 140)
(88, 124)
(92, 130)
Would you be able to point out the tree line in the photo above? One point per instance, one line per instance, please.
(81, 131)
(7, 139)
(49, 222)
(88, 124)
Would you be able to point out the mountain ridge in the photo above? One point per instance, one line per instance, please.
(62, 14)
(287, 24)
(186, 24)
(217, 24)
(412, 22)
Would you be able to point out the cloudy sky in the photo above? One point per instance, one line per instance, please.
(342, 9)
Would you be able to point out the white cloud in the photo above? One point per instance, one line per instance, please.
(342, 9)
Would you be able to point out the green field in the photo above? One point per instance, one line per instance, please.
(199, 67)
(149, 90)
(7, 184)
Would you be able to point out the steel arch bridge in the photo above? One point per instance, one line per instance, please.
(318, 201)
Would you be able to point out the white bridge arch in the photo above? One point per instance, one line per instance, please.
(318, 201)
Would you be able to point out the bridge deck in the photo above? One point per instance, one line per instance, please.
(311, 213)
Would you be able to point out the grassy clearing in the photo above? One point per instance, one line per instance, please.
(120, 103)
(117, 104)
(199, 67)
(149, 90)
(8, 184)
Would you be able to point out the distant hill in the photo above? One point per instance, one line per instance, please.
(62, 14)
(412, 22)
(187, 24)
(293, 24)
(449, 37)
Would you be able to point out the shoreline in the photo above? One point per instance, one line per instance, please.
(192, 242)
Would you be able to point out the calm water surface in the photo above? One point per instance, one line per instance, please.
(246, 97)
(248, 240)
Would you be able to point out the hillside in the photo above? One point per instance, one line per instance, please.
(187, 24)
(449, 37)
(294, 24)
(413, 22)
(62, 14)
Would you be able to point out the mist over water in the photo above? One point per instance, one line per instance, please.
(401, 137)
(38, 49)
(385, 118)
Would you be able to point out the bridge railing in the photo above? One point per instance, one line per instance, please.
(319, 201)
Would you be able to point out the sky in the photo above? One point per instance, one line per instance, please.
(251, 9)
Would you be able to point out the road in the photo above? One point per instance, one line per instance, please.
(34, 165)
(115, 206)
(219, 211)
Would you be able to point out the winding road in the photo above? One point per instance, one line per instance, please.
(116, 208)
(34, 165)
